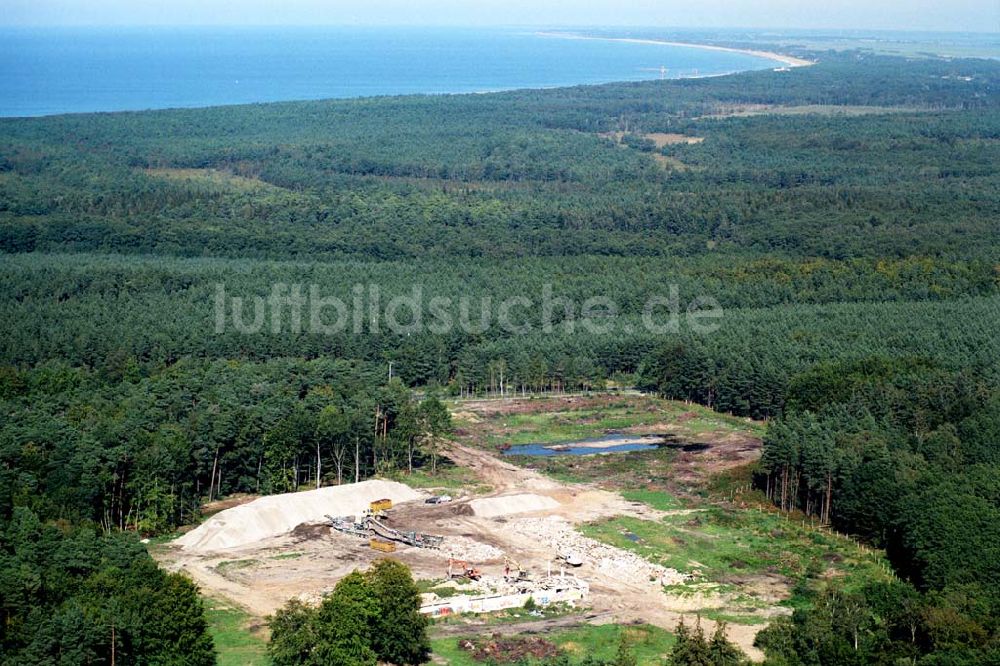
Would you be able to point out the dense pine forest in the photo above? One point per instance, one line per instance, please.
(845, 217)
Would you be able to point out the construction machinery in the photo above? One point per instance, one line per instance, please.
(570, 558)
(348, 525)
(417, 539)
(513, 572)
(370, 527)
(382, 546)
(379, 506)
(462, 569)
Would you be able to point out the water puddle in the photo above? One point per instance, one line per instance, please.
(614, 443)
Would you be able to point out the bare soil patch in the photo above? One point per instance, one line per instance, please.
(492, 407)
(216, 177)
(659, 139)
(209, 508)
(499, 649)
(662, 139)
(747, 110)
(296, 556)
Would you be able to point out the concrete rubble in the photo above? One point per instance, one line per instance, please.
(558, 534)
(464, 548)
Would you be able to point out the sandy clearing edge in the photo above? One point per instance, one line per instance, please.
(790, 61)
(508, 505)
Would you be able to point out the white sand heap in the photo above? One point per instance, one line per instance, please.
(506, 505)
(275, 515)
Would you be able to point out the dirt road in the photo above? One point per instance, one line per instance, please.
(499, 474)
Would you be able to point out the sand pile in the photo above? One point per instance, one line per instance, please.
(275, 515)
(506, 505)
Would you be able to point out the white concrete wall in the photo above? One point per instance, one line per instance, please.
(488, 603)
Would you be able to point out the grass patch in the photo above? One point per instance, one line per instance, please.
(658, 500)
(733, 618)
(732, 482)
(725, 546)
(600, 641)
(213, 178)
(286, 556)
(441, 588)
(235, 640)
(509, 615)
(649, 643)
(584, 423)
(447, 477)
(227, 566)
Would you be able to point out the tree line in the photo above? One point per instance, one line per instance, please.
(144, 453)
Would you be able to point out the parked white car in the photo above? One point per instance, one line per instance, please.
(438, 499)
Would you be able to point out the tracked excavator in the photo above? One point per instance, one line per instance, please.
(462, 569)
(513, 572)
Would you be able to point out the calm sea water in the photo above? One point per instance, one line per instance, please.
(48, 71)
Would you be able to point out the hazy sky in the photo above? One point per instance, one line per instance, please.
(966, 15)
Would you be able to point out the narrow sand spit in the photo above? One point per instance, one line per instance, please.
(275, 515)
(787, 60)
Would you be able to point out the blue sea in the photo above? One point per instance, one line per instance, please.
(71, 70)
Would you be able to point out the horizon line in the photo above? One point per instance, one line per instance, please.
(498, 26)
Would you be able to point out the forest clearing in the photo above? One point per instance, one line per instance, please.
(638, 541)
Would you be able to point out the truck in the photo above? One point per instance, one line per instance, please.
(571, 558)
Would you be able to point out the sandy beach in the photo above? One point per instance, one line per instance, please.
(787, 60)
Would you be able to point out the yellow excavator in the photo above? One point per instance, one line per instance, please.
(513, 571)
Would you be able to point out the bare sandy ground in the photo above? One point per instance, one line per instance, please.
(787, 60)
(659, 139)
(527, 516)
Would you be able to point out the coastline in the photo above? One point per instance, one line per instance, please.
(786, 60)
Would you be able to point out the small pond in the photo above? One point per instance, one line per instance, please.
(614, 443)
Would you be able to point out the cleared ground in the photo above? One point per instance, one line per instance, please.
(654, 552)
(746, 110)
